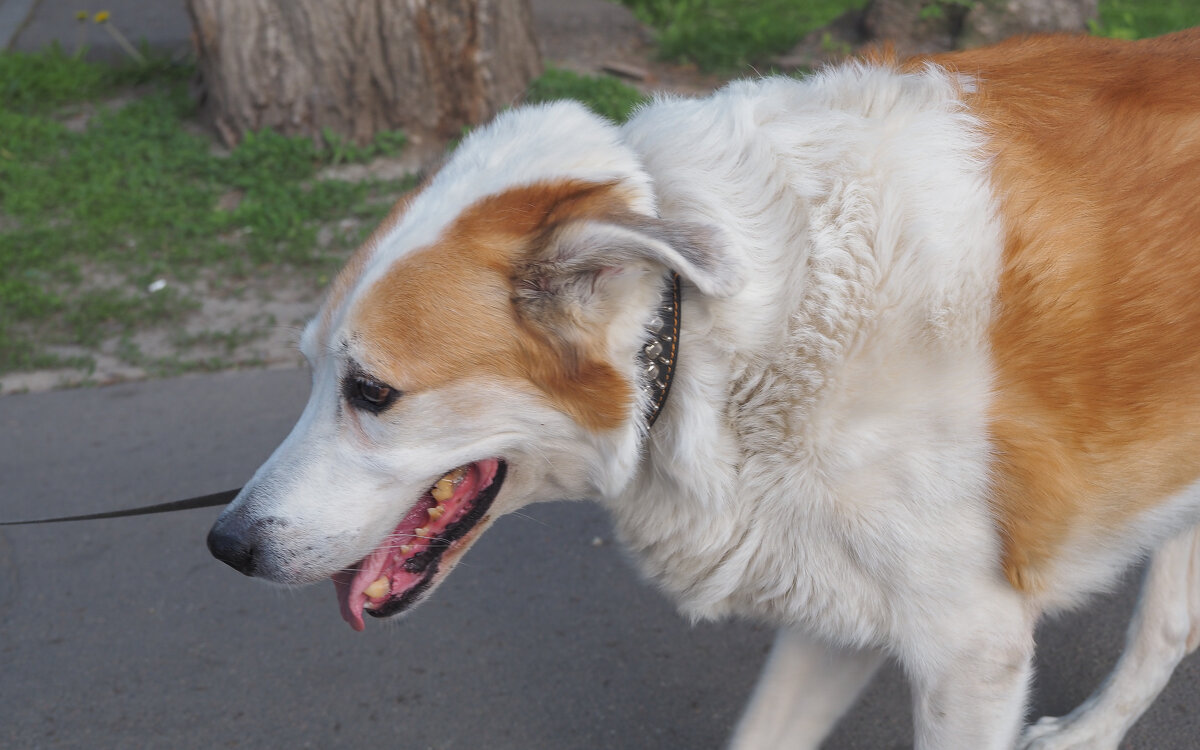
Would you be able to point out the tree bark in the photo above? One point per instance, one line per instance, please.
(992, 20)
(919, 26)
(359, 67)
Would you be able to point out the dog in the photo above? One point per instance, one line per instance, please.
(900, 358)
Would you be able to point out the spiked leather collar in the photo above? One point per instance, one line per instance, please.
(656, 359)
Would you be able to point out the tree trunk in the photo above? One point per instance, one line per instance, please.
(359, 67)
(992, 20)
(918, 26)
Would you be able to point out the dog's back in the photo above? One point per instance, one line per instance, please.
(1097, 415)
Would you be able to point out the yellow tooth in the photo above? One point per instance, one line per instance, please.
(444, 488)
(379, 588)
(436, 512)
(421, 532)
(405, 549)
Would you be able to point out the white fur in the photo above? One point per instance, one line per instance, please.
(823, 460)
(805, 688)
(1165, 628)
(829, 420)
(525, 146)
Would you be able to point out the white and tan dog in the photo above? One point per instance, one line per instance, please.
(938, 373)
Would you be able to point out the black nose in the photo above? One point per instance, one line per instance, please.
(237, 541)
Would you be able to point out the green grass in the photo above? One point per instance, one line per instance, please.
(89, 216)
(107, 183)
(45, 80)
(605, 95)
(1138, 19)
(723, 35)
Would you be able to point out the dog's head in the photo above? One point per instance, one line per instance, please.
(478, 353)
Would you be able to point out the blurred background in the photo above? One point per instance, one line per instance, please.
(179, 181)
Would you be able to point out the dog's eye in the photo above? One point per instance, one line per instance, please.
(370, 395)
(376, 393)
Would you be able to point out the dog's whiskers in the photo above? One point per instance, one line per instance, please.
(528, 517)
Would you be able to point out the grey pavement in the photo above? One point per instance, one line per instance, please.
(13, 16)
(29, 25)
(126, 634)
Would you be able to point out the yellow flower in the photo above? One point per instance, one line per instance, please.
(81, 15)
(102, 16)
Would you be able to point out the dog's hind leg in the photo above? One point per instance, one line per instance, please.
(804, 689)
(1165, 628)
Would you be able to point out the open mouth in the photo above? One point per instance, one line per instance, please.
(402, 568)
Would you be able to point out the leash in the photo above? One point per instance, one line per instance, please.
(202, 501)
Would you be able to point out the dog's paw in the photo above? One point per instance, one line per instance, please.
(1070, 733)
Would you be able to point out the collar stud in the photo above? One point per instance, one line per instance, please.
(657, 356)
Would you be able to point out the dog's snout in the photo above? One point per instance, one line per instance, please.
(238, 541)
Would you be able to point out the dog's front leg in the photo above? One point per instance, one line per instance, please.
(804, 689)
(970, 676)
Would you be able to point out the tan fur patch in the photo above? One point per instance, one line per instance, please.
(1097, 334)
(446, 312)
(354, 268)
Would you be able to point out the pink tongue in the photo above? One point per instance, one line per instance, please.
(352, 582)
(343, 581)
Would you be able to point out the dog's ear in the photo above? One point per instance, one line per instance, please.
(596, 251)
(582, 275)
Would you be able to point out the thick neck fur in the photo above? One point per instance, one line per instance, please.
(784, 407)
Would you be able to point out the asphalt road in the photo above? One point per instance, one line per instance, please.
(126, 634)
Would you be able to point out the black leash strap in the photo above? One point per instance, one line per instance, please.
(203, 501)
